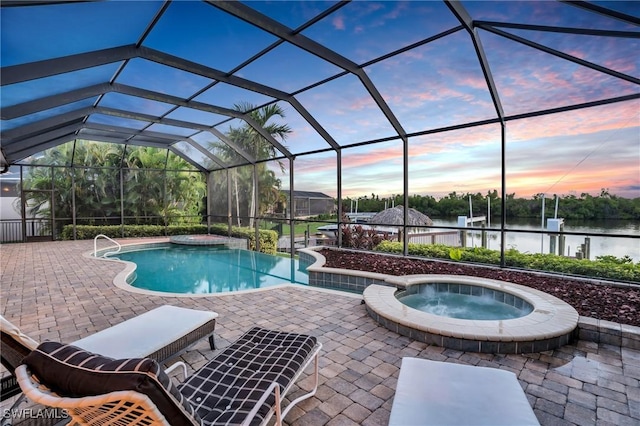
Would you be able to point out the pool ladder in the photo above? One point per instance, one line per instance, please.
(95, 246)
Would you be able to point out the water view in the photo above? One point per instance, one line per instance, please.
(536, 243)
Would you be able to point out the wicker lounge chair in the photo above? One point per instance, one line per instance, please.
(243, 384)
(161, 334)
(15, 345)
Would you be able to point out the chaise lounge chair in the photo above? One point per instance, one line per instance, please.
(244, 384)
(161, 334)
(14, 346)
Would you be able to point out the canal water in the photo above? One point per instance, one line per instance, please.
(537, 243)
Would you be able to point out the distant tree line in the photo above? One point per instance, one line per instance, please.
(585, 206)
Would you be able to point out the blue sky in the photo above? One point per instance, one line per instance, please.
(431, 86)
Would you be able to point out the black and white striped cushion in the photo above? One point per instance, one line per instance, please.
(226, 389)
(74, 372)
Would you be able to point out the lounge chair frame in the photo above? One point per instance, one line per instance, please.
(115, 408)
(132, 408)
(11, 356)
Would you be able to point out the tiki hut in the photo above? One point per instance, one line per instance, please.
(395, 216)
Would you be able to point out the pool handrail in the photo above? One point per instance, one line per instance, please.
(95, 246)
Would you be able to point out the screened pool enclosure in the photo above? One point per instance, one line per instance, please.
(221, 112)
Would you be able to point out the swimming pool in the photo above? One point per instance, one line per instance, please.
(181, 269)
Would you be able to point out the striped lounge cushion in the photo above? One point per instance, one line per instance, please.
(227, 388)
(74, 372)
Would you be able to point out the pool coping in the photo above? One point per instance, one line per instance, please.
(588, 329)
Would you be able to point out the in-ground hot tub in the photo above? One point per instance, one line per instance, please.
(464, 301)
(545, 323)
(210, 240)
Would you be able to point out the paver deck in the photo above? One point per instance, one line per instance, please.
(52, 292)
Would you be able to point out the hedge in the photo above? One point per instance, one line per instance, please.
(268, 238)
(605, 267)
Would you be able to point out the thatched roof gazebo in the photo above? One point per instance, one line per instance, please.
(395, 216)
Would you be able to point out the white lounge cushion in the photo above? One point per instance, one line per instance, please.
(146, 333)
(440, 393)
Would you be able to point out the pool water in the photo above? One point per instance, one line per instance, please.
(462, 306)
(205, 270)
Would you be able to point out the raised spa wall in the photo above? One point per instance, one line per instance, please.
(588, 329)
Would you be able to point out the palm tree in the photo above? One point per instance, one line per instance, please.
(147, 194)
(251, 142)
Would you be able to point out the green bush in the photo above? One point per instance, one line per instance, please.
(87, 232)
(605, 267)
(268, 239)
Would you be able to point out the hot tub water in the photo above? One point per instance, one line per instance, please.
(484, 306)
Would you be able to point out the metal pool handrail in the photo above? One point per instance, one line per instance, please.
(95, 246)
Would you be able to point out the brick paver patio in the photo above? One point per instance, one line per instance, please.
(52, 292)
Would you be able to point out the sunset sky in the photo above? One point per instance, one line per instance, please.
(431, 86)
(567, 153)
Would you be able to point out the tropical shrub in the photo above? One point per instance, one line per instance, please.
(144, 183)
(360, 238)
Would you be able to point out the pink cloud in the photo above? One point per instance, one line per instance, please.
(475, 136)
(338, 22)
(396, 12)
(581, 122)
(623, 65)
(360, 103)
(577, 54)
(308, 164)
(371, 7)
(472, 81)
(541, 81)
(375, 156)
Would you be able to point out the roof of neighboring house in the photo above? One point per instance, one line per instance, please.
(308, 194)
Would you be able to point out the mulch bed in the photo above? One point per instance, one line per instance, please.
(606, 302)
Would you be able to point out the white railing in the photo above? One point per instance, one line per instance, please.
(95, 246)
(450, 238)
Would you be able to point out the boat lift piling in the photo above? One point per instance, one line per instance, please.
(464, 222)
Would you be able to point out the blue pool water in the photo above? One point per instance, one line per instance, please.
(205, 270)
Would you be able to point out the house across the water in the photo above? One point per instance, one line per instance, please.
(310, 203)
